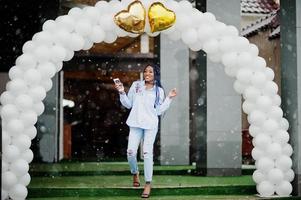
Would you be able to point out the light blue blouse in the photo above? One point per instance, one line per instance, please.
(141, 102)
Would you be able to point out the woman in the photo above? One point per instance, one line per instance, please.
(146, 101)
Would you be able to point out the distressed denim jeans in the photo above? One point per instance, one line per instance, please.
(148, 136)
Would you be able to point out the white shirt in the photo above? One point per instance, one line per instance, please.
(141, 102)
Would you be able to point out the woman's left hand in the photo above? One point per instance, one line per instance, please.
(172, 93)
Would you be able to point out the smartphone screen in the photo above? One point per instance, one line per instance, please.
(116, 81)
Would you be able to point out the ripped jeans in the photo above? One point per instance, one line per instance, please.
(135, 136)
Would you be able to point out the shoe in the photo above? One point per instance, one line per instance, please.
(146, 195)
(136, 182)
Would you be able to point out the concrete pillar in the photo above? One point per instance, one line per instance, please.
(291, 79)
(219, 114)
(174, 138)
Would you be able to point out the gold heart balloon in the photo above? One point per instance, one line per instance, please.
(160, 18)
(133, 19)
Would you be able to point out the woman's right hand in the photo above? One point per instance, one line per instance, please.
(120, 88)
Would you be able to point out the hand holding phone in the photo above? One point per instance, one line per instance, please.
(118, 85)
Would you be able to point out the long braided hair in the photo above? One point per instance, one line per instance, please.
(157, 82)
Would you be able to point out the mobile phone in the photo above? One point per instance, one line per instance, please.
(116, 81)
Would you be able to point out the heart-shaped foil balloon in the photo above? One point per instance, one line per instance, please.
(133, 19)
(160, 18)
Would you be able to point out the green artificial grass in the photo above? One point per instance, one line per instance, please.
(186, 197)
(125, 181)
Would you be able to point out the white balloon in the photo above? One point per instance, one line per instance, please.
(65, 22)
(239, 86)
(47, 84)
(211, 46)
(284, 163)
(103, 6)
(189, 36)
(253, 49)
(32, 77)
(28, 47)
(5, 165)
(15, 72)
(20, 167)
(289, 175)
(9, 111)
(69, 55)
(259, 176)
(58, 53)
(110, 37)
(15, 126)
(257, 153)
(22, 141)
(258, 79)
(244, 59)
(42, 38)
(83, 27)
(209, 17)
(62, 37)
(257, 117)
(287, 150)
(251, 94)
(275, 113)
(7, 98)
(269, 73)
(29, 118)
(262, 141)
(88, 44)
(31, 132)
(281, 137)
(284, 125)
(39, 108)
(76, 13)
(27, 155)
(37, 93)
(264, 103)
(265, 189)
(242, 44)
(183, 22)
(274, 150)
(195, 46)
(9, 179)
(275, 176)
(47, 70)
(231, 31)
(50, 25)
(230, 59)
(185, 5)
(10, 152)
(205, 32)
(41, 53)
(284, 188)
(106, 22)
(244, 75)
(18, 192)
(17, 86)
(276, 100)
(259, 64)
(92, 14)
(270, 126)
(25, 180)
(24, 102)
(270, 88)
(97, 35)
(76, 42)
(254, 130)
(264, 164)
(226, 44)
(26, 61)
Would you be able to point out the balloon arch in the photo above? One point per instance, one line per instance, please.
(43, 57)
